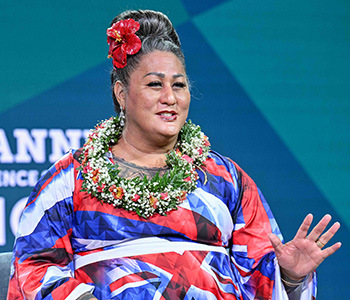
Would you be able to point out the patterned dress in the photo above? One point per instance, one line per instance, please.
(214, 246)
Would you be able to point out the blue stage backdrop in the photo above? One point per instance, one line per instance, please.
(270, 88)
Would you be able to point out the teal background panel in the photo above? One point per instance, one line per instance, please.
(47, 42)
(294, 62)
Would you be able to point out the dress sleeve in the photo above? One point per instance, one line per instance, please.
(252, 254)
(42, 262)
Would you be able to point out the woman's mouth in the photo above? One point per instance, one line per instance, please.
(167, 116)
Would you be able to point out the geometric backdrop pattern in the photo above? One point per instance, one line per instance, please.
(270, 87)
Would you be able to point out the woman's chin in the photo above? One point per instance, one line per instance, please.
(170, 132)
(168, 128)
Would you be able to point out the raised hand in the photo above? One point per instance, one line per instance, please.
(304, 253)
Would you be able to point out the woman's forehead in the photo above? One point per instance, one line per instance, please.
(160, 64)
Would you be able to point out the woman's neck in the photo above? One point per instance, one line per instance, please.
(141, 153)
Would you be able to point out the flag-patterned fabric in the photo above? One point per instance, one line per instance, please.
(214, 246)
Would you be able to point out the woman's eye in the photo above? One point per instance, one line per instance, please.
(154, 84)
(180, 85)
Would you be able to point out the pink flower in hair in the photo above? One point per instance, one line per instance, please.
(122, 40)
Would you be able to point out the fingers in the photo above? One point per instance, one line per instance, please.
(330, 250)
(322, 239)
(276, 243)
(316, 233)
(325, 238)
(319, 228)
(304, 227)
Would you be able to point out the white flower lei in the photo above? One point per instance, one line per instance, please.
(144, 196)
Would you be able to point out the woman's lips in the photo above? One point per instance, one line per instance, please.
(167, 116)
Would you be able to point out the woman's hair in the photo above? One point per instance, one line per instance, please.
(156, 33)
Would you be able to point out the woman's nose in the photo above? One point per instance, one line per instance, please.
(168, 96)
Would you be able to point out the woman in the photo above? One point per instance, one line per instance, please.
(146, 211)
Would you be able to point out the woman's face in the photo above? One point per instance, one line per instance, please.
(158, 98)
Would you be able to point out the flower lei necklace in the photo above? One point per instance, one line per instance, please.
(144, 196)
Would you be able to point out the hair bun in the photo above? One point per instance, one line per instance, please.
(153, 24)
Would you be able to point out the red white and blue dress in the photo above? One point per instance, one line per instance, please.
(214, 246)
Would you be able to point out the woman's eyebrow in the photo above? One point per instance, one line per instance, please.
(178, 75)
(155, 73)
(162, 75)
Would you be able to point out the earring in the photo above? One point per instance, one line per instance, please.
(122, 116)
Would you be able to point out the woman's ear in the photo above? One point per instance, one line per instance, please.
(119, 92)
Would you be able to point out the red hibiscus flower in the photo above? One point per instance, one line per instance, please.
(122, 40)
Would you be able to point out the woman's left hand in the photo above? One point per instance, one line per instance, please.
(304, 253)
